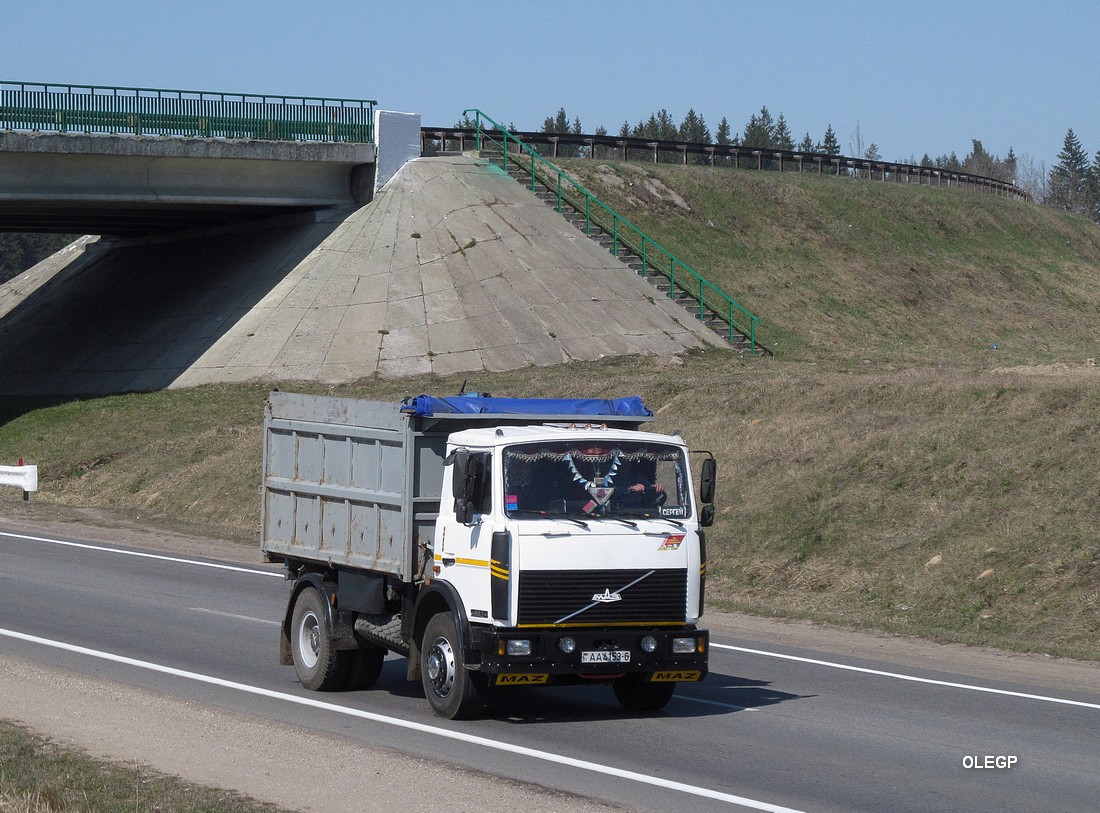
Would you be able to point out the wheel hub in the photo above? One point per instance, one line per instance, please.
(441, 667)
(309, 640)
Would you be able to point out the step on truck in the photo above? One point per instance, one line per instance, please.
(494, 542)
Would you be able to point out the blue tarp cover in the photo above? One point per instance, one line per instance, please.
(428, 405)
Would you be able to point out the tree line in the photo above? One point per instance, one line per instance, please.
(766, 132)
(18, 252)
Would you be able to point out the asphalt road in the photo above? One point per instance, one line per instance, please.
(772, 727)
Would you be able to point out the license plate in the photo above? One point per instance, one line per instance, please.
(606, 656)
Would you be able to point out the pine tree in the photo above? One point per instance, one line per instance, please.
(1069, 178)
(760, 131)
(694, 129)
(781, 138)
(806, 144)
(666, 127)
(722, 134)
(830, 145)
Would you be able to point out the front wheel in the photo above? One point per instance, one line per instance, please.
(448, 684)
(320, 666)
(635, 693)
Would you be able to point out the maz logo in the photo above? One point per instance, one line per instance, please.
(606, 597)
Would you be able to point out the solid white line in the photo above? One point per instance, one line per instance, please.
(912, 678)
(545, 756)
(124, 552)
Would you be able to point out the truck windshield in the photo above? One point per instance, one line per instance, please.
(588, 478)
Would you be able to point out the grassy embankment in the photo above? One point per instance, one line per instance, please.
(886, 469)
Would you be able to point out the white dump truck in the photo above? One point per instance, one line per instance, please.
(494, 542)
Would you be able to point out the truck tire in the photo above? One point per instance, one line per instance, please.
(366, 666)
(635, 693)
(450, 688)
(320, 666)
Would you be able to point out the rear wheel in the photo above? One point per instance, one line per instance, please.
(366, 666)
(450, 688)
(320, 666)
(636, 693)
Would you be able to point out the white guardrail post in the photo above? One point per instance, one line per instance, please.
(24, 477)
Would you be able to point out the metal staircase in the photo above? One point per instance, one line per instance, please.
(670, 276)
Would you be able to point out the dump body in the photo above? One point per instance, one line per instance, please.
(348, 483)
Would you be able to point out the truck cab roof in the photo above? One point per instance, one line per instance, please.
(507, 435)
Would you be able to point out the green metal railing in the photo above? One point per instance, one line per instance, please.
(623, 233)
(194, 113)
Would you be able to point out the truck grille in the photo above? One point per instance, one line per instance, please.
(573, 597)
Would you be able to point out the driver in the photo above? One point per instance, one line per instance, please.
(637, 486)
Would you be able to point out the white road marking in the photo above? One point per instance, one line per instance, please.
(546, 756)
(233, 615)
(714, 703)
(161, 557)
(911, 678)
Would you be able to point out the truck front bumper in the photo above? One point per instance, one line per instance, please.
(561, 655)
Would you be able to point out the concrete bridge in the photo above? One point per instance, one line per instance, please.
(235, 259)
(128, 185)
(133, 161)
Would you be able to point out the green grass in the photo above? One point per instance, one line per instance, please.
(37, 776)
(869, 474)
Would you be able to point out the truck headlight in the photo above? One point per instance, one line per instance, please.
(567, 645)
(649, 644)
(683, 646)
(520, 647)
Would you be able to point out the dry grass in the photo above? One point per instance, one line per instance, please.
(875, 499)
(37, 776)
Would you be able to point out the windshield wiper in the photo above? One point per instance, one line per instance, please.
(645, 515)
(548, 515)
(625, 522)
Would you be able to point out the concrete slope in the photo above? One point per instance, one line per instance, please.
(453, 267)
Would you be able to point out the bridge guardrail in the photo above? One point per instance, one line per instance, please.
(190, 113)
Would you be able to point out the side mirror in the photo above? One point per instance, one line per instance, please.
(706, 515)
(707, 480)
(465, 482)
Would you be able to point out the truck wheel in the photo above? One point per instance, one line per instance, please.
(320, 666)
(366, 666)
(448, 684)
(637, 694)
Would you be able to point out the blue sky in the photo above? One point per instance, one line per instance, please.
(915, 77)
